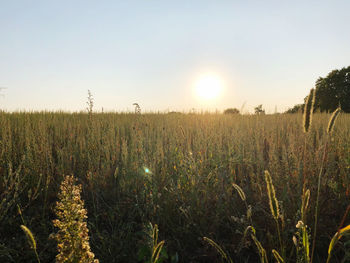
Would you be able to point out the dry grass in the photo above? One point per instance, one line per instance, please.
(192, 161)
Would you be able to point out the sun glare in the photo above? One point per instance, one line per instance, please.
(208, 87)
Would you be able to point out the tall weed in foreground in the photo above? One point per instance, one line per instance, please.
(251, 230)
(330, 128)
(72, 238)
(340, 233)
(307, 121)
(219, 249)
(152, 251)
(308, 110)
(274, 207)
(261, 249)
(31, 240)
(301, 239)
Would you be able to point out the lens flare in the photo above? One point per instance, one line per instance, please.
(146, 170)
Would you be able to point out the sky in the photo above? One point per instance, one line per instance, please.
(153, 52)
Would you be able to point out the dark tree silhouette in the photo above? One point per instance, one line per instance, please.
(259, 110)
(333, 91)
(299, 108)
(231, 111)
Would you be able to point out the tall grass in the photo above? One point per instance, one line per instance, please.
(174, 170)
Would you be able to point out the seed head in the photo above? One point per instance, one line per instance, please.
(332, 120)
(308, 110)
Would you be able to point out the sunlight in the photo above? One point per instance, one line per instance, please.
(208, 87)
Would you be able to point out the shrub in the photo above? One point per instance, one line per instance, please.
(231, 111)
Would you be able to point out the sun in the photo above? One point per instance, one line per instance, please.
(208, 87)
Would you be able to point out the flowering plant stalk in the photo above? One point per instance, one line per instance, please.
(72, 238)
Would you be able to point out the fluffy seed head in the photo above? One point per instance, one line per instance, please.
(274, 207)
(308, 110)
(30, 237)
(332, 120)
(239, 191)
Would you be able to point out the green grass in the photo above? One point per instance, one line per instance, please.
(176, 171)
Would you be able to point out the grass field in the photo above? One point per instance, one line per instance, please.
(176, 171)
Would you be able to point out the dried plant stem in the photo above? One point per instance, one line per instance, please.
(280, 239)
(331, 124)
(219, 249)
(274, 207)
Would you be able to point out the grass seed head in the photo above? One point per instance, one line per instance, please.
(332, 120)
(30, 237)
(239, 191)
(308, 110)
(274, 207)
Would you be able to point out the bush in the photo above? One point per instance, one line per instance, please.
(231, 111)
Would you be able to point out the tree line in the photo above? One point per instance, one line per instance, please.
(332, 91)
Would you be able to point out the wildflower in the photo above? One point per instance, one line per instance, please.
(72, 237)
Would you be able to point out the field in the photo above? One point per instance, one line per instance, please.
(182, 172)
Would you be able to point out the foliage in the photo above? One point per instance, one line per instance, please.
(224, 256)
(332, 91)
(152, 251)
(259, 110)
(231, 111)
(177, 170)
(298, 108)
(340, 233)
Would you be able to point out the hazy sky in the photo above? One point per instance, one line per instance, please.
(152, 52)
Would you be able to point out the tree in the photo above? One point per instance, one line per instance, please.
(296, 109)
(333, 91)
(259, 110)
(231, 111)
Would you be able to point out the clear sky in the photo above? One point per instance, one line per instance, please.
(152, 52)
